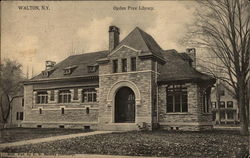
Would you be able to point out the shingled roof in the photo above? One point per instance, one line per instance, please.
(140, 40)
(81, 63)
(177, 69)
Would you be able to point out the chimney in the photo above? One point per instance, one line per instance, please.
(114, 33)
(49, 64)
(191, 52)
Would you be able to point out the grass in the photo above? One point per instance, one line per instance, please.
(215, 143)
(18, 134)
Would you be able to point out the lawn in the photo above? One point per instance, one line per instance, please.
(158, 143)
(18, 134)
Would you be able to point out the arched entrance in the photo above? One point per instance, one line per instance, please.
(125, 105)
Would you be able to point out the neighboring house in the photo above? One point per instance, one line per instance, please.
(229, 110)
(16, 112)
(135, 84)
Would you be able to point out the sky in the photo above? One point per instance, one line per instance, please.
(73, 27)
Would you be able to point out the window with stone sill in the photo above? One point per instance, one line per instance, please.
(177, 100)
(64, 96)
(89, 95)
(42, 97)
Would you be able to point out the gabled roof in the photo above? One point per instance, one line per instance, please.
(79, 62)
(177, 69)
(140, 40)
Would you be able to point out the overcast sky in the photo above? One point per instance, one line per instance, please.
(34, 36)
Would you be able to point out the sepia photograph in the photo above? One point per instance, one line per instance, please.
(125, 79)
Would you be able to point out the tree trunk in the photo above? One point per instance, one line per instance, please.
(218, 101)
(243, 111)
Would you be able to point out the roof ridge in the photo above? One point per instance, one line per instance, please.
(141, 32)
(88, 53)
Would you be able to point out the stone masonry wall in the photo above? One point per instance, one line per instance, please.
(75, 113)
(194, 119)
(141, 78)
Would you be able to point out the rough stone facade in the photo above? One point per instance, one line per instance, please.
(147, 97)
(75, 113)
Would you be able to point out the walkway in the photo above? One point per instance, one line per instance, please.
(34, 155)
(50, 139)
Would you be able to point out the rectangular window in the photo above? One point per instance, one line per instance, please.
(42, 97)
(89, 95)
(133, 64)
(52, 95)
(115, 66)
(62, 110)
(205, 101)
(22, 102)
(222, 104)
(75, 94)
(230, 104)
(124, 65)
(177, 100)
(21, 116)
(17, 115)
(230, 115)
(87, 110)
(64, 96)
(222, 115)
(40, 111)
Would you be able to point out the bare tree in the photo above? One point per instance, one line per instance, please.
(11, 86)
(223, 28)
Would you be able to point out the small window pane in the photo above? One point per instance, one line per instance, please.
(124, 65)
(21, 115)
(17, 116)
(52, 95)
(75, 94)
(133, 64)
(177, 103)
(115, 66)
(170, 104)
(184, 103)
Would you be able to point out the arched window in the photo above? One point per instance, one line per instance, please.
(64, 96)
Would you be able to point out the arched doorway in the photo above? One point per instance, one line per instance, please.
(125, 105)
